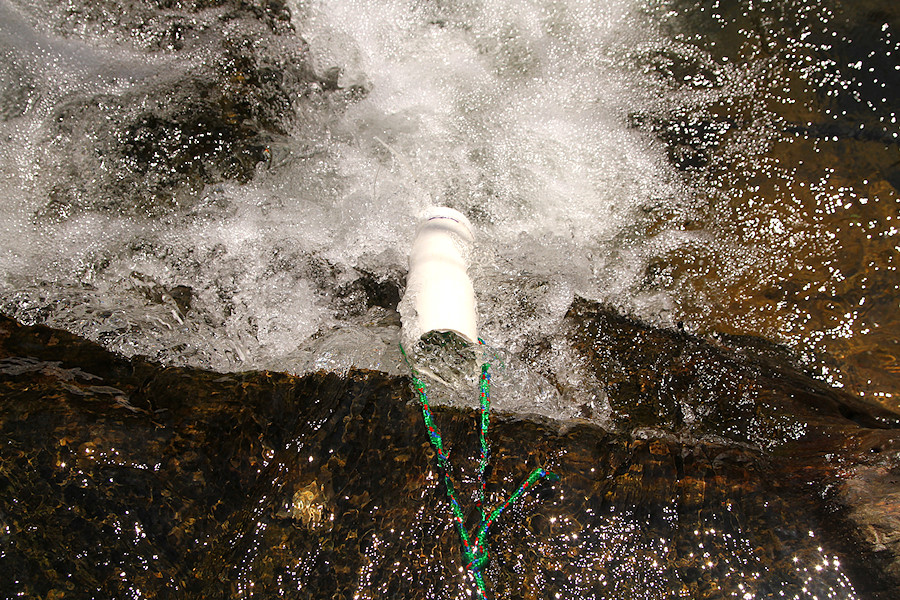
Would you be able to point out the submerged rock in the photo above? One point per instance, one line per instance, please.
(725, 475)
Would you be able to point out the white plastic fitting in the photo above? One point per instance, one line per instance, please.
(438, 284)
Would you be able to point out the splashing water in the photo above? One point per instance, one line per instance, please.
(235, 188)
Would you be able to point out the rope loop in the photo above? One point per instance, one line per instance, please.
(477, 557)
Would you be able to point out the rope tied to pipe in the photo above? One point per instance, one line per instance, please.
(475, 552)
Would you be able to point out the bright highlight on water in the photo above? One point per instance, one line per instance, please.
(237, 185)
(245, 197)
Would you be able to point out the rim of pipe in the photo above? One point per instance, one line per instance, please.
(445, 212)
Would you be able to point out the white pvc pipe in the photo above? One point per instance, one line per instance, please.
(438, 285)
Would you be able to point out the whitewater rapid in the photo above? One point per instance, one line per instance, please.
(234, 190)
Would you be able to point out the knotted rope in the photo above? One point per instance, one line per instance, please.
(474, 546)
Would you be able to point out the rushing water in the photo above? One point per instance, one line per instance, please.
(236, 186)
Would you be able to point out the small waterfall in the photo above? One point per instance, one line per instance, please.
(233, 187)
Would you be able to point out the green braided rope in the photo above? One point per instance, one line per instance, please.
(474, 551)
(484, 386)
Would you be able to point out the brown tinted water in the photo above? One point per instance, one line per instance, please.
(734, 476)
(797, 183)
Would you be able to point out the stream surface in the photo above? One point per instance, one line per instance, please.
(235, 185)
(731, 476)
(227, 186)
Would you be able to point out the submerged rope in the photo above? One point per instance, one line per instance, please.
(474, 546)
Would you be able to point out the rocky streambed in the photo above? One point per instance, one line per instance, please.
(720, 471)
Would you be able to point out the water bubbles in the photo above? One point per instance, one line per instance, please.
(259, 178)
(242, 193)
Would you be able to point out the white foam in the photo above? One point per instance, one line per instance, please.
(515, 114)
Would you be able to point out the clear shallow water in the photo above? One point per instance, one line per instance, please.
(236, 189)
(127, 479)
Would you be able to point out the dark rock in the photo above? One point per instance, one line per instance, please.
(150, 148)
(119, 475)
(808, 437)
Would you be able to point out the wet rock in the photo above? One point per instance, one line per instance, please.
(745, 390)
(307, 507)
(158, 25)
(231, 80)
(120, 477)
(842, 448)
